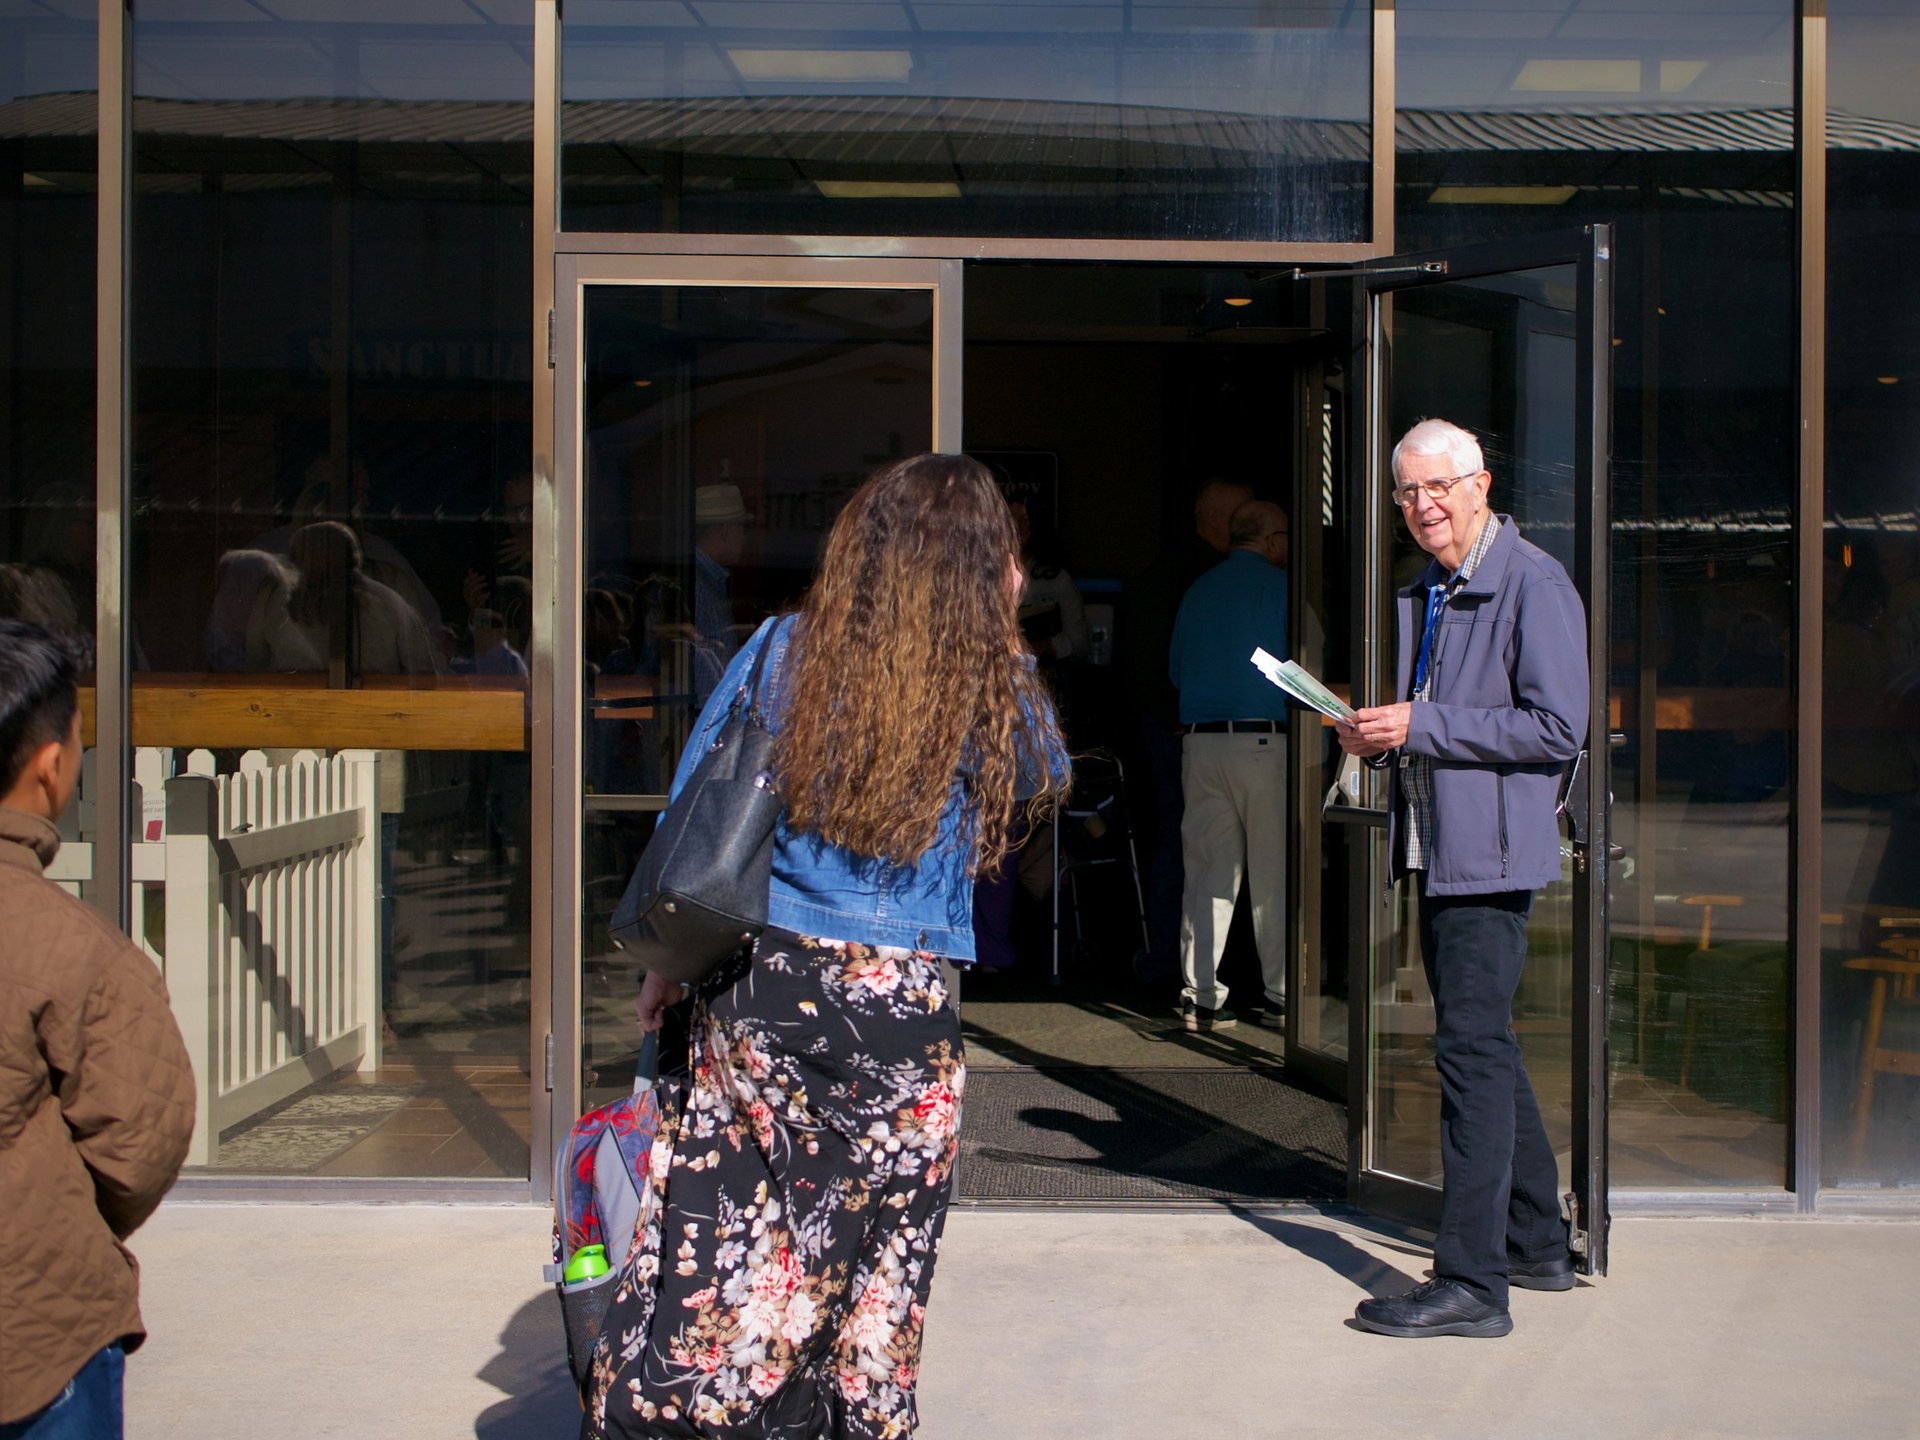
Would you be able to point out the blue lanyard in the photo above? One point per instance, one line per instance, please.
(1436, 601)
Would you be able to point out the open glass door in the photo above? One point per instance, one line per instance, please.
(1513, 342)
(712, 415)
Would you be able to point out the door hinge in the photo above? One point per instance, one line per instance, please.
(549, 1061)
(1576, 1234)
(550, 339)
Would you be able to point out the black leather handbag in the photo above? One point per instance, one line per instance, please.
(699, 892)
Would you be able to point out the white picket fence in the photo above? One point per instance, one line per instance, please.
(271, 945)
(72, 868)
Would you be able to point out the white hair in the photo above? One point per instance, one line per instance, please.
(1441, 437)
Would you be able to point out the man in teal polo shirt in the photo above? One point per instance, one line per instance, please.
(1233, 765)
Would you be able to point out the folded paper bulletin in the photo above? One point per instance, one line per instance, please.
(1301, 686)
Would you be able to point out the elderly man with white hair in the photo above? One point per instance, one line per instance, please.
(1493, 685)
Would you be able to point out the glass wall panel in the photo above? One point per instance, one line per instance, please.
(723, 429)
(48, 144)
(1870, 779)
(1673, 121)
(330, 553)
(1497, 355)
(1108, 118)
(49, 87)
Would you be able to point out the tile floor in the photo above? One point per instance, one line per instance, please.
(470, 1118)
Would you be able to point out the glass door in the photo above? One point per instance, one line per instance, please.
(1513, 342)
(712, 416)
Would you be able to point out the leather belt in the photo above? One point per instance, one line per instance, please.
(1233, 727)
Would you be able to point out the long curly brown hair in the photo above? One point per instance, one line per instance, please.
(909, 670)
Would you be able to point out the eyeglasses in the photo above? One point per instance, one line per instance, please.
(1403, 495)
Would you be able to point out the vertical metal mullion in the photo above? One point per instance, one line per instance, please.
(113, 724)
(1804, 834)
(554, 849)
(1370, 915)
(948, 339)
(1593, 429)
(1382, 130)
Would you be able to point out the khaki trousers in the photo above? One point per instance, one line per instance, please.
(1234, 830)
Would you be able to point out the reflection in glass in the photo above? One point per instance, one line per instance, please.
(1106, 118)
(1677, 128)
(722, 428)
(1870, 774)
(330, 599)
(48, 146)
(1334, 857)
(48, 159)
(1497, 356)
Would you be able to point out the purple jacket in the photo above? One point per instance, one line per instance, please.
(1508, 712)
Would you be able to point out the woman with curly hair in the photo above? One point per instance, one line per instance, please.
(778, 1279)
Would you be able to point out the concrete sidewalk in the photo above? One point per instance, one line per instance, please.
(412, 1321)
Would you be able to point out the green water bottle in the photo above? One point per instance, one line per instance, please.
(589, 1262)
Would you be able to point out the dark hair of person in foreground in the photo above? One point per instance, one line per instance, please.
(39, 677)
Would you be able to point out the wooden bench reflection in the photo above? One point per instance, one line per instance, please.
(485, 712)
(258, 712)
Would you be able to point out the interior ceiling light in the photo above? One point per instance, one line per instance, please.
(1238, 300)
(888, 189)
(824, 67)
(1888, 379)
(1678, 75)
(1502, 194)
(641, 384)
(1611, 76)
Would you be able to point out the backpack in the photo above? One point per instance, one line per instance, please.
(599, 1177)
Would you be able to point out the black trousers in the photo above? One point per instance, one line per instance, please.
(1502, 1184)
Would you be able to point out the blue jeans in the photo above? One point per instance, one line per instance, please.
(88, 1409)
(1502, 1183)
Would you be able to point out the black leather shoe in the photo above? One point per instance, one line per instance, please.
(1554, 1274)
(1439, 1307)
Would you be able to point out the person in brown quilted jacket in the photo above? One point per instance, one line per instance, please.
(96, 1092)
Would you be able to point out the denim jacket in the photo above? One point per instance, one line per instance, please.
(824, 890)
(1509, 710)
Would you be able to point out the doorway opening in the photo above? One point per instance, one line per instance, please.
(1105, 397)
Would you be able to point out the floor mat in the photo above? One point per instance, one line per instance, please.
(1162, 1134)
(303, 1135)
(1130, 1032)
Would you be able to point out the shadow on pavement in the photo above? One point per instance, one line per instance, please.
(1335, 1251)
(531, 1368)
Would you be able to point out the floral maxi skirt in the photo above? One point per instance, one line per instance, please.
(778, 1279)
